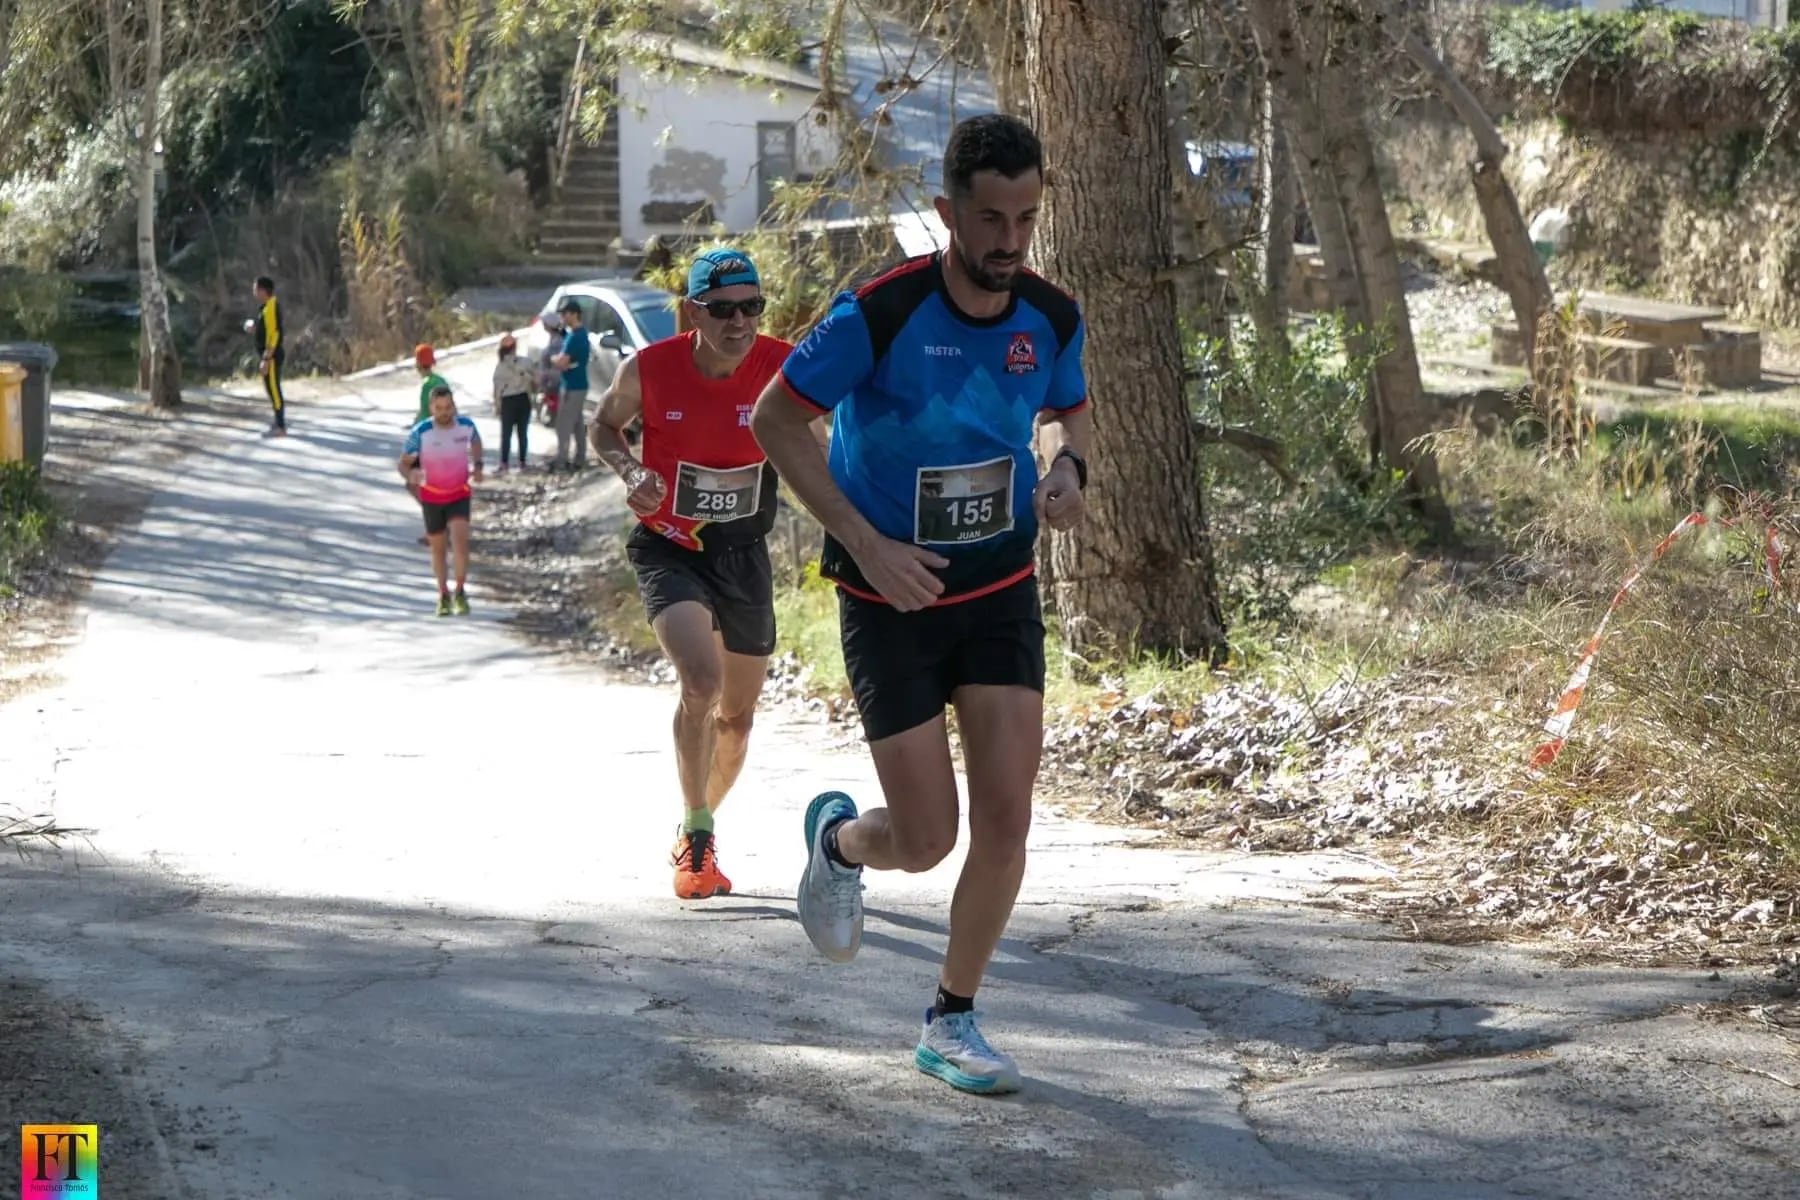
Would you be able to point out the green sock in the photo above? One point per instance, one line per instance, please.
(698, 820)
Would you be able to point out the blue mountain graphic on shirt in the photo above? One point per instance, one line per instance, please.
(979, 420)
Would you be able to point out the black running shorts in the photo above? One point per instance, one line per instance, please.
(439, 516)
(734, 582)
(905, 666)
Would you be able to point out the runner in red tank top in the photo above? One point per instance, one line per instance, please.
(704, 496)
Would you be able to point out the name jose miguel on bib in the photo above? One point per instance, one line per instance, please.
(967, 503)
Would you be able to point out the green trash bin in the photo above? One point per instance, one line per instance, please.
(39, 360)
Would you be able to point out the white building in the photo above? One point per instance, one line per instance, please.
(703, 128)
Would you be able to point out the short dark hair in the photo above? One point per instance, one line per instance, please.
(266, 284)
(990, 142)
(442, 389)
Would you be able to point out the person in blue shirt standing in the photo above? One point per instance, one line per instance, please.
(571, 406)
(941, 377)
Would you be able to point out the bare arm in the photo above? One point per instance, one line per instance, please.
(1074, 429)
(620, 405)
(1058, 499)
(789, 431)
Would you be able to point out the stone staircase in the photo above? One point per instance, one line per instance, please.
(579, 227)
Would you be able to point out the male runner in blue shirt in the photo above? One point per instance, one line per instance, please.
(940, 376)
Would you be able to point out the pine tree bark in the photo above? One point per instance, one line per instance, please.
(159, 367)
(1138, 572)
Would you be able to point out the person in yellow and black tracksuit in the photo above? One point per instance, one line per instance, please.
(266, 325)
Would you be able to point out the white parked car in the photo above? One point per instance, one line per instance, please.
(621, 316)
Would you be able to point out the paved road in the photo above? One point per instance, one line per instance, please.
(378, 907)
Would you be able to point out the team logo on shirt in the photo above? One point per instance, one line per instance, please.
(1020, 356)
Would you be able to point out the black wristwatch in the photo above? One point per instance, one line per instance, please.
(1080, 465)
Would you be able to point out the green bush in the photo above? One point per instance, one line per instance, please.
(1273, 538)
(27, 522)
(1540, 46)
(517, 108)
(67, 217)
(1643, 68)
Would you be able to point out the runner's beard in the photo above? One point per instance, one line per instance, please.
(983, 277)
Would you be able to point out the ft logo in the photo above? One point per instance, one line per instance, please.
(59, 1161)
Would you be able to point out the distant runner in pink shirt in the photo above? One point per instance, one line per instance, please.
(442, 456)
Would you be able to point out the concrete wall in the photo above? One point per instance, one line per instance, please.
(684, 139)
(1767, 14)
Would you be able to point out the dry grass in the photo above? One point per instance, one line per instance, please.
(21, 830)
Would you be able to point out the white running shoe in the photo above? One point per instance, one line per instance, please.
(830, 897)
(953, 1049)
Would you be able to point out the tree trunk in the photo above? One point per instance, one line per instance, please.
(1343, 286)
(1275, 212)
(999, 26)
(159, 367)
(1404, 413)
(1296, 111)
(1200, 290)
(1138, 573)
(1521, 271)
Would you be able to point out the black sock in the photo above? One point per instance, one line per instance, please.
(831, 845)
(948, 1003)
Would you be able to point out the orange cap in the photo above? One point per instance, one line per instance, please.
(423, 356)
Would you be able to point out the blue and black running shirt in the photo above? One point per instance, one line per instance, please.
(933, 414)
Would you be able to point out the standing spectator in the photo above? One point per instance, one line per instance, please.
(514, 381)
(571, 406)
(266, 325)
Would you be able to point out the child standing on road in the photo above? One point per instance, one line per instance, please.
(514, 380)
(425, 358)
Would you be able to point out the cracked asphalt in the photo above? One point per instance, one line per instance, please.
(377, 906)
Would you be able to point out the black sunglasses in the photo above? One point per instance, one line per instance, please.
(724, 310)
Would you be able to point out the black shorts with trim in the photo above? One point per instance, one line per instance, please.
(905, 666)
(439, 516)
(735, 582)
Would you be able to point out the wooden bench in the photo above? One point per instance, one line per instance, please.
(1506, 345)
(1667, 326)
(1736, 355)
(1622, 360)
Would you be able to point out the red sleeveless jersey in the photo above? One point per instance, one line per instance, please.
(720, 486)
